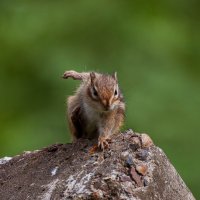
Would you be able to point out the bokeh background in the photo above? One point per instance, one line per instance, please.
(153, 45)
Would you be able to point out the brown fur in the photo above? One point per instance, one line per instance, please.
(95, 111)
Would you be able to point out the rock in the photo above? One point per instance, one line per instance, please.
(136, 177)
(124, 155)
(125, 178)
(145, 182)
(129, 162)
(142, 169)
(142, 154)
(79, 171)
(134, 147)
(136, 141)
(146, 140)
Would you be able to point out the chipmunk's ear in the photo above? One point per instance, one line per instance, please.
(92, 76)
(115, 75)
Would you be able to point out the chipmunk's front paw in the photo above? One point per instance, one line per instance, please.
(103, 142)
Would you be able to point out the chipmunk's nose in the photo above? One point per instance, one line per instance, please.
(106, 104)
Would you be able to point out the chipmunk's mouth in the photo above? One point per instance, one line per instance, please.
(106, 111)
(109, 108)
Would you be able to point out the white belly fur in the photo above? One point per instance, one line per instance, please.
(92, 118)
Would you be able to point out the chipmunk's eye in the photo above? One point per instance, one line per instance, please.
(95, 92)
(115, 92)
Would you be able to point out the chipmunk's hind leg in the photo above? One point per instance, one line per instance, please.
(74, 118)
(75, 75)
(76, 121)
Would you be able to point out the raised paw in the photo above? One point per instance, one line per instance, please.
(103, 142)
(72, 74)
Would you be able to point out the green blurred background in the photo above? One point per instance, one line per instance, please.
(153, 45)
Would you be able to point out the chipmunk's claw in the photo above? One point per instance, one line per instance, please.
(103, 142)
(68, 74)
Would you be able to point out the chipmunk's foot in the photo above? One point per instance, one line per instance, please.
(103, 142)
(72, 74)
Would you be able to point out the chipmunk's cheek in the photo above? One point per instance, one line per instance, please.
(100, 107)
(96, 106)
(112, 107)
(115, 104)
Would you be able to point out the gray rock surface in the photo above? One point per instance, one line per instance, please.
(131, 168)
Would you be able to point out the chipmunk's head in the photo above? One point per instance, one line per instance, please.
(104, 91)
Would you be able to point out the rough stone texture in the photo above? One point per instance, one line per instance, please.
(128, 169)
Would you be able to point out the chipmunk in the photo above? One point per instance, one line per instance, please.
(97, 109)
